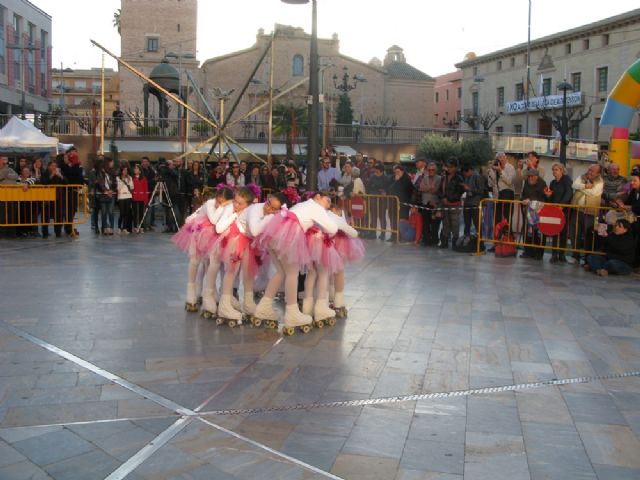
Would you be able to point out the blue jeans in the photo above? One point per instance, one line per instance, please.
(106, 212)
(617, 267)
(407, 232)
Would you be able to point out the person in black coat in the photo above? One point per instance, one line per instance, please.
(533, 190)
(620, 249)
(560, 191)
(377, 184)
(56, 211)
(401, 187)
(450, 192)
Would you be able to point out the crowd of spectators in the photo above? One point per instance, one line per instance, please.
(438, 204)
(62, 170)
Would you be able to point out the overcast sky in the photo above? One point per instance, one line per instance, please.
(434, 35)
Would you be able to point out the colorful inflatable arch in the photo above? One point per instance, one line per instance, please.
(621, 105)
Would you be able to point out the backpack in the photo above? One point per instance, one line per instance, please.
(501, 233)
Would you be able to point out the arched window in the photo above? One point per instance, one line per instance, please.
(298, 66)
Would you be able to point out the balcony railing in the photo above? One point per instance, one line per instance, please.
(256, 132)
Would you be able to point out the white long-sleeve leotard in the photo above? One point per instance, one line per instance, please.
(256, 219)
(311, 212)
(226, 219)
(342, 224)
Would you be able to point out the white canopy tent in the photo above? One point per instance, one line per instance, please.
(22, 136)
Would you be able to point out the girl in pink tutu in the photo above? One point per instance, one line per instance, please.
(258, 217)
(285, 235)
(233, 242)
(326, 261)
(351, 249)
(186, 240)
(206, 243)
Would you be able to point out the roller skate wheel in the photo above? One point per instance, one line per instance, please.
(305, 328)
(331, 322)
(289, 331)
(318, 324)
(272, 324)
(257, 322)
(219, 321)
(231, 323)
(205, 314)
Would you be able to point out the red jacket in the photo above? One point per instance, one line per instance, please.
(140, 190)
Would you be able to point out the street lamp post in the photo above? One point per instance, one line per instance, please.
(564, 128)
(312, 145)
(182, 111)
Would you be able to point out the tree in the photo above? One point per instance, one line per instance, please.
(484, 120)
(476, 150)
(575, 116)
(116, 19)
(344, 112)
(289, 120)
(439, 148)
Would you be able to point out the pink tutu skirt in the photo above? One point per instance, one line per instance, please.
(231, 246)
(206, 240)
(323, 251)
(350, 249)
(285, 236)
(187, 237)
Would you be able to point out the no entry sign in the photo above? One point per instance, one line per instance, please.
(357, 207)
(551, 220)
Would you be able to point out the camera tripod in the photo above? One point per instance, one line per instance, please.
(159, 196)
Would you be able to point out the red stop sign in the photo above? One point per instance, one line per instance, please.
(551, 220)
(357, 207)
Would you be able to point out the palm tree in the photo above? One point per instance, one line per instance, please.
(289, 120)
(116, 19)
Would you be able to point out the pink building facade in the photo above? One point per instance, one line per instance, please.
(447, 100)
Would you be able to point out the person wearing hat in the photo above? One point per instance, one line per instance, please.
(533, 190)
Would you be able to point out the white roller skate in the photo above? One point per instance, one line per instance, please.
(235, 303)
(338, 305)
(191, 305)
(307, 306)
(209, 307)
(265, 313)
(250, 310)
(228, 314)
(322, 314)
(293, 318)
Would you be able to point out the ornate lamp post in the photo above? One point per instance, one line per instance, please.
(312, 146)
(345, 86)
(564, 128)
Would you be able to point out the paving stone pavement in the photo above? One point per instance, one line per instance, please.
(420, 321)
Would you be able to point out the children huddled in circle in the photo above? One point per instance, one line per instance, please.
(235, 236)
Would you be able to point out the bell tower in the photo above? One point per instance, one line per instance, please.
(150, 31)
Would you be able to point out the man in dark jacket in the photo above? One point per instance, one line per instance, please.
(172, 177)
(620, 251)
(377, 184)
(451, 190)
(476, 188)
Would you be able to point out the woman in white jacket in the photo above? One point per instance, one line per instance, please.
(124, 185)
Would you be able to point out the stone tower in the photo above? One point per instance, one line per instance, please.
(149, 30)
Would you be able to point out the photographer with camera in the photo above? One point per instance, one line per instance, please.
(174, 179)
(501, 182)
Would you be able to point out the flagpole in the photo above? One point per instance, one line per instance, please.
(526, 105)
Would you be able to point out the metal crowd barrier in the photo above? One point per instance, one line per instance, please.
(520, 226)
(40, 205)
(374, 213)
